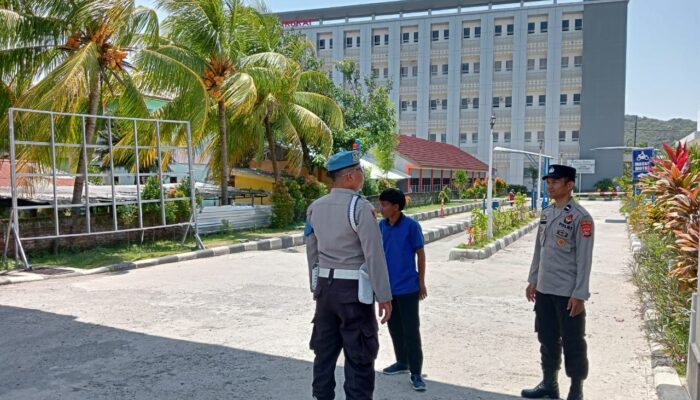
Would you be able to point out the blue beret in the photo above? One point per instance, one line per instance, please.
(343, 159)
(560, 171)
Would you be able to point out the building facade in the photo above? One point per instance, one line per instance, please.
(553, 74)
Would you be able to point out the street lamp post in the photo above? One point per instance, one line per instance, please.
(538, 200)
(489, 185)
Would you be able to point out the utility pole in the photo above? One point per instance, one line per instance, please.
(634, 143)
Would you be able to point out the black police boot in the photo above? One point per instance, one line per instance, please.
(576, 390)
(547, 389)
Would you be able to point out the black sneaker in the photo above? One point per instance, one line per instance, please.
(417, 383)
(395, 369)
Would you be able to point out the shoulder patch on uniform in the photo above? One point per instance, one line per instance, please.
(587, 228)
(308, 229)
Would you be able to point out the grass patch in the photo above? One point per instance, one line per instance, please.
(651, 275)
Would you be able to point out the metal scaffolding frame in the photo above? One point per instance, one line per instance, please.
(14, 225)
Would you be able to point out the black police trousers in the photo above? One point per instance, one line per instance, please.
(557, 330)
(404, 328)
(341, 322)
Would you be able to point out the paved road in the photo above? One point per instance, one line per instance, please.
(237, 327)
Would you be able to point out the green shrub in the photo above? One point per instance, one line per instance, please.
(312, 189)
(384, 184)
(282, 206)
(444, 195)
(517, 189)
(604, 185)
(294, 190)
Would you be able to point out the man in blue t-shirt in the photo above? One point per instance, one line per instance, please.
(403, 241)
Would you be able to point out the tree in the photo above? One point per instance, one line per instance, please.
(200, 65)
(369, 115)
(76, 52)
(461, 180)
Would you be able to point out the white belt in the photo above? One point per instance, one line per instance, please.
(339, 273)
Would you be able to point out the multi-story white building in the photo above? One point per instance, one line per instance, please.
(552, 72)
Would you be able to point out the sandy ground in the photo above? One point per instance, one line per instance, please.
(237, 327)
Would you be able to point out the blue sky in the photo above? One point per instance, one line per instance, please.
(663, 55)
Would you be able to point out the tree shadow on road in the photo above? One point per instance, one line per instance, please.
(52, 356)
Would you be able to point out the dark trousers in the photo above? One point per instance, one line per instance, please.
(404, 327)
(557, 330)
(341, 322)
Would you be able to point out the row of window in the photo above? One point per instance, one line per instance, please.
(506, 137)
(507, 101)
(498, 66)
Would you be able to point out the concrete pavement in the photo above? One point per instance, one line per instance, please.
(237, 327)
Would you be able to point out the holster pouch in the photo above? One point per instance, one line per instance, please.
(365, 294)
(314, 277)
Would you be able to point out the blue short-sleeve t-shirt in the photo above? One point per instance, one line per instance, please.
(401, 241)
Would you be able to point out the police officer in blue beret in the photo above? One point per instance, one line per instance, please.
(558, 284)
(347, 271)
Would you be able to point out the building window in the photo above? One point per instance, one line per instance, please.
(509, 101)
(433, 104)
(578, 24)
(445, 69)
(542, 100)
(386, 39)
(543, 63)
(466, 33)
(415, 70)
(375, 73)
(530, 27)
(475, 137)
(444, 104)
(386, 73)
(404, 72)
(495, 137)
(565, 25)
(415, 37)
(495, 103)
(433, 70)
(499, 30)
(477, 67)
(540, 137)
(321, 44)
(509, 29)
(432, 137)
(528, 137)
(436, 36)
(405, 37)
(357, 41)
(578, 61)
(562, 99)
(464, 104)
(497, 66)
(443, 138)
(509, 65)
(543, 27)
(348, 41)
(506, 137)
(404, 106)
(577, 98)
(330, 43)
(477, 31)
(475, 103)
(565, 62)
(528, 101)
(414, 105)
(462, 138)
(562, 136)
(465, 68)
(574, 136)
(446, 34)
(377, 40)
(530, 64)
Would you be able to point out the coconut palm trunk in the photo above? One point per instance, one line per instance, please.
(224, 153)
(93, 102)
(271, 145)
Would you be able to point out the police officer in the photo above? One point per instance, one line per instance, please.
(558, 284)
(342, 236)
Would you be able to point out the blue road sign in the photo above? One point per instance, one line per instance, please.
(641, 162)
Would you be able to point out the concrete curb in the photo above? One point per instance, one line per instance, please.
(493, 247)
(282, 242)
(666, 380)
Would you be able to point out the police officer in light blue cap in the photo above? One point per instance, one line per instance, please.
(347, 271)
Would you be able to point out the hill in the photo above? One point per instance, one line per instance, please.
(652, 132)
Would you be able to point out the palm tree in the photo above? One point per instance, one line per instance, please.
(76, 52)
(284, 110)
(198, 64)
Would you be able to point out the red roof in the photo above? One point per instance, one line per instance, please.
(429, 154)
